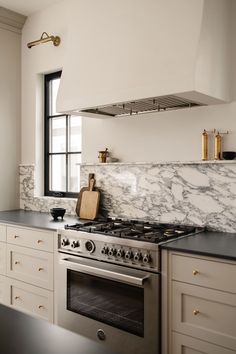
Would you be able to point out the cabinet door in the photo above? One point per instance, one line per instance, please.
(30, 299)
(31, 266)
(2, 258)
(204, 313)
(3, 290)
(40, 240)
(187, 345)
(202, 272)
(3, 233)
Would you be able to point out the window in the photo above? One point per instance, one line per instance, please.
(62, 145)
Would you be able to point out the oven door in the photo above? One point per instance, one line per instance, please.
(110, 303)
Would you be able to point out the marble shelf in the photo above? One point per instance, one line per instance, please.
(212, 162)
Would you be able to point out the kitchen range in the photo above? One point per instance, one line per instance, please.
(109, 281)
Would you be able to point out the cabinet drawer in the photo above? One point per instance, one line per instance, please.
(31, 299)
(40, 240)
(187, 345)
(3, 258)
(31, 266)
(211, 274)
(3, 290)
(3, 233)
(204, 313)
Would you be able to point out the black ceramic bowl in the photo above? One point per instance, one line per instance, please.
(228, 155)
(57, 212)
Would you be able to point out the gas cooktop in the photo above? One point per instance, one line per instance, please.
(134, 229)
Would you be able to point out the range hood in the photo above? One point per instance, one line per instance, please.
(138, 56)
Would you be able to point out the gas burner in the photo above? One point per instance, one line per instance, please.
(133, 229)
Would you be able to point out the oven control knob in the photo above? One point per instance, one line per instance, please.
(65, 242)
(112, 252)
(128, 255)
(120, 253)
(137, 256)
(75, 244)
(146, 258)
(104, 250)
(90, 246)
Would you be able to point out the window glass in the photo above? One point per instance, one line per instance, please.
(75, 142)
(73, 173)
(58, 134)
(62, 145)
(57, 173)
(54, 86)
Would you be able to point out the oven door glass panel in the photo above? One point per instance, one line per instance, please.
(116, 304)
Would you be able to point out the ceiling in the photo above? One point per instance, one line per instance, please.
(26, 7)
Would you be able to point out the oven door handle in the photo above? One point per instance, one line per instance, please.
(129, 276)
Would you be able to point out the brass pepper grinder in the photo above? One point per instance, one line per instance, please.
(218, 146)
(204, 145)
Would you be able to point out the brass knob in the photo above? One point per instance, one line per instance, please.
(196, 312)
(195, 272)
(16, 236)
(40, 241)
(17, 262)
(41, 307)
(40, 269)
(17, 297)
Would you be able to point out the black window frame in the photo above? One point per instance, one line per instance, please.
(47, 192)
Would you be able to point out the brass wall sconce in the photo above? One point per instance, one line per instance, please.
(44, 39)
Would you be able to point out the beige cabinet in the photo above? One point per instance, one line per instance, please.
(3, 233)
(31, 266)
(2, 258)
(182, 344)
(37, 239)
(30, 299)
(199, 304)
(27, 270)
(3, 289)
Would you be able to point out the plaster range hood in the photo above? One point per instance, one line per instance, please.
(129, 57)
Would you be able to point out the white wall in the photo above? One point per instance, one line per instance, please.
(161, 136)
(10, 42)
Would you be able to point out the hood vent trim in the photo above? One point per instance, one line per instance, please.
(149, 105)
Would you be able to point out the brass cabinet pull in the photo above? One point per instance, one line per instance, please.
(196, 312)
(16, 236)
(41, 307)
(17, 297)
(17, 262)
(195, 272)
(40, 269)
(40, 241)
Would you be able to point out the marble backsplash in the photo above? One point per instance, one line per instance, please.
(28, 200)
(202, 194)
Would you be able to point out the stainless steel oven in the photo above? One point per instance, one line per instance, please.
(110, 303)
(108, 285)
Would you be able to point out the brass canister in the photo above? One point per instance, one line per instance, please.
(103, 155)
(205, 145)
(218, 146)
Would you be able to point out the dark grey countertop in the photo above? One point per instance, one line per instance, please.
(208, 243)
(35, 219)
(23, 334)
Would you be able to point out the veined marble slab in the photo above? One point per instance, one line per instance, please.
(194, 194)
(202, 194)
(28, 200)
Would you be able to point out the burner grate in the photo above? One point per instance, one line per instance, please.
(133, 229)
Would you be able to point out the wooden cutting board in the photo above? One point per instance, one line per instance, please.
(83, 189)
(89, 202)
